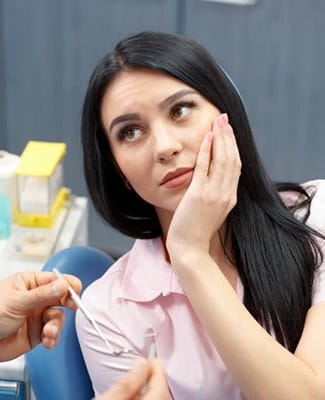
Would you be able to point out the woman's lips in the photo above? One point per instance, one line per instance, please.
(177, 179)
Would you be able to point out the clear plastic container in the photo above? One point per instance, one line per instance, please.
(37, 194)
(5, 216)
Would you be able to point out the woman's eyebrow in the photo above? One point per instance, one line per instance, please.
(122, 118)
(174, 97)
(164, 104)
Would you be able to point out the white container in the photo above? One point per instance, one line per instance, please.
(8, 166)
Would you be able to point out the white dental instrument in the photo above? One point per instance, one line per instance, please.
(152, 353)
(90, 318)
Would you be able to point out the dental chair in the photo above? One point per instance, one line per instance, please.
(60, 373)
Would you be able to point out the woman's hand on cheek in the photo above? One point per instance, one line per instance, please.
(211, 195)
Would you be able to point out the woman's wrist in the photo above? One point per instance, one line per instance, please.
(187, 258)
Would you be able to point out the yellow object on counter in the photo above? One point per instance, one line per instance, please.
(40, 187)
(41, 158)
(43, 220)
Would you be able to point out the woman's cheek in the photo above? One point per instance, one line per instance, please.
(201, 136)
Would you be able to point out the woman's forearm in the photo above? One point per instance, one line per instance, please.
(262, 368)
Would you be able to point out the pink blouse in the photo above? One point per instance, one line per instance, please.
(139, 301)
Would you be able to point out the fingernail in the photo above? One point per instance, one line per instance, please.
(55, 330)
(58, 287)
(48, 343)
(222, 120)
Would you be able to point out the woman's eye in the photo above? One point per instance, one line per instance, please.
(129, 134)
(181, 110)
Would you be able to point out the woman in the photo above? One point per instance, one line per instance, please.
(227, 276)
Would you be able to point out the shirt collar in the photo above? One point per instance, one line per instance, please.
(147, 274)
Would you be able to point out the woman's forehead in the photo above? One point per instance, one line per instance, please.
(140, 86)
(139, 75)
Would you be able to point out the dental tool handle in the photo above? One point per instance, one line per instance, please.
(152, 353)
(84, 310)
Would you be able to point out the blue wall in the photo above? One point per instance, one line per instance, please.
(274, 51)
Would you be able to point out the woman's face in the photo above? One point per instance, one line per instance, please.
(155, 125)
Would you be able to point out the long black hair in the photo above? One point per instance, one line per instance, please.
(275, 254)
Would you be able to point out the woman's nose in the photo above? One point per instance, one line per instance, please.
(167, 144)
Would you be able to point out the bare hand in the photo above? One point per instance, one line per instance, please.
(212, 193)
(146, 382)
(26, 313)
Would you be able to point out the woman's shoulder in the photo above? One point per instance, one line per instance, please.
(105, 297)
(292, 194)
(316, 189)
(315, 185)
(294, 197)
(130, 266)
(111, 278)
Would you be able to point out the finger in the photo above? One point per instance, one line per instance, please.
(130, 384)
(53, 324)
(226, 157)
(32, 280)
(76, 285)
(229, 138)
(46, 295)
(45, 324)
(219, 171)
(219, 156)
(234, 164)
(72, 280)
(157, 384)
(236, 161)
(69, 303)
(203, 160)
(46, 289)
